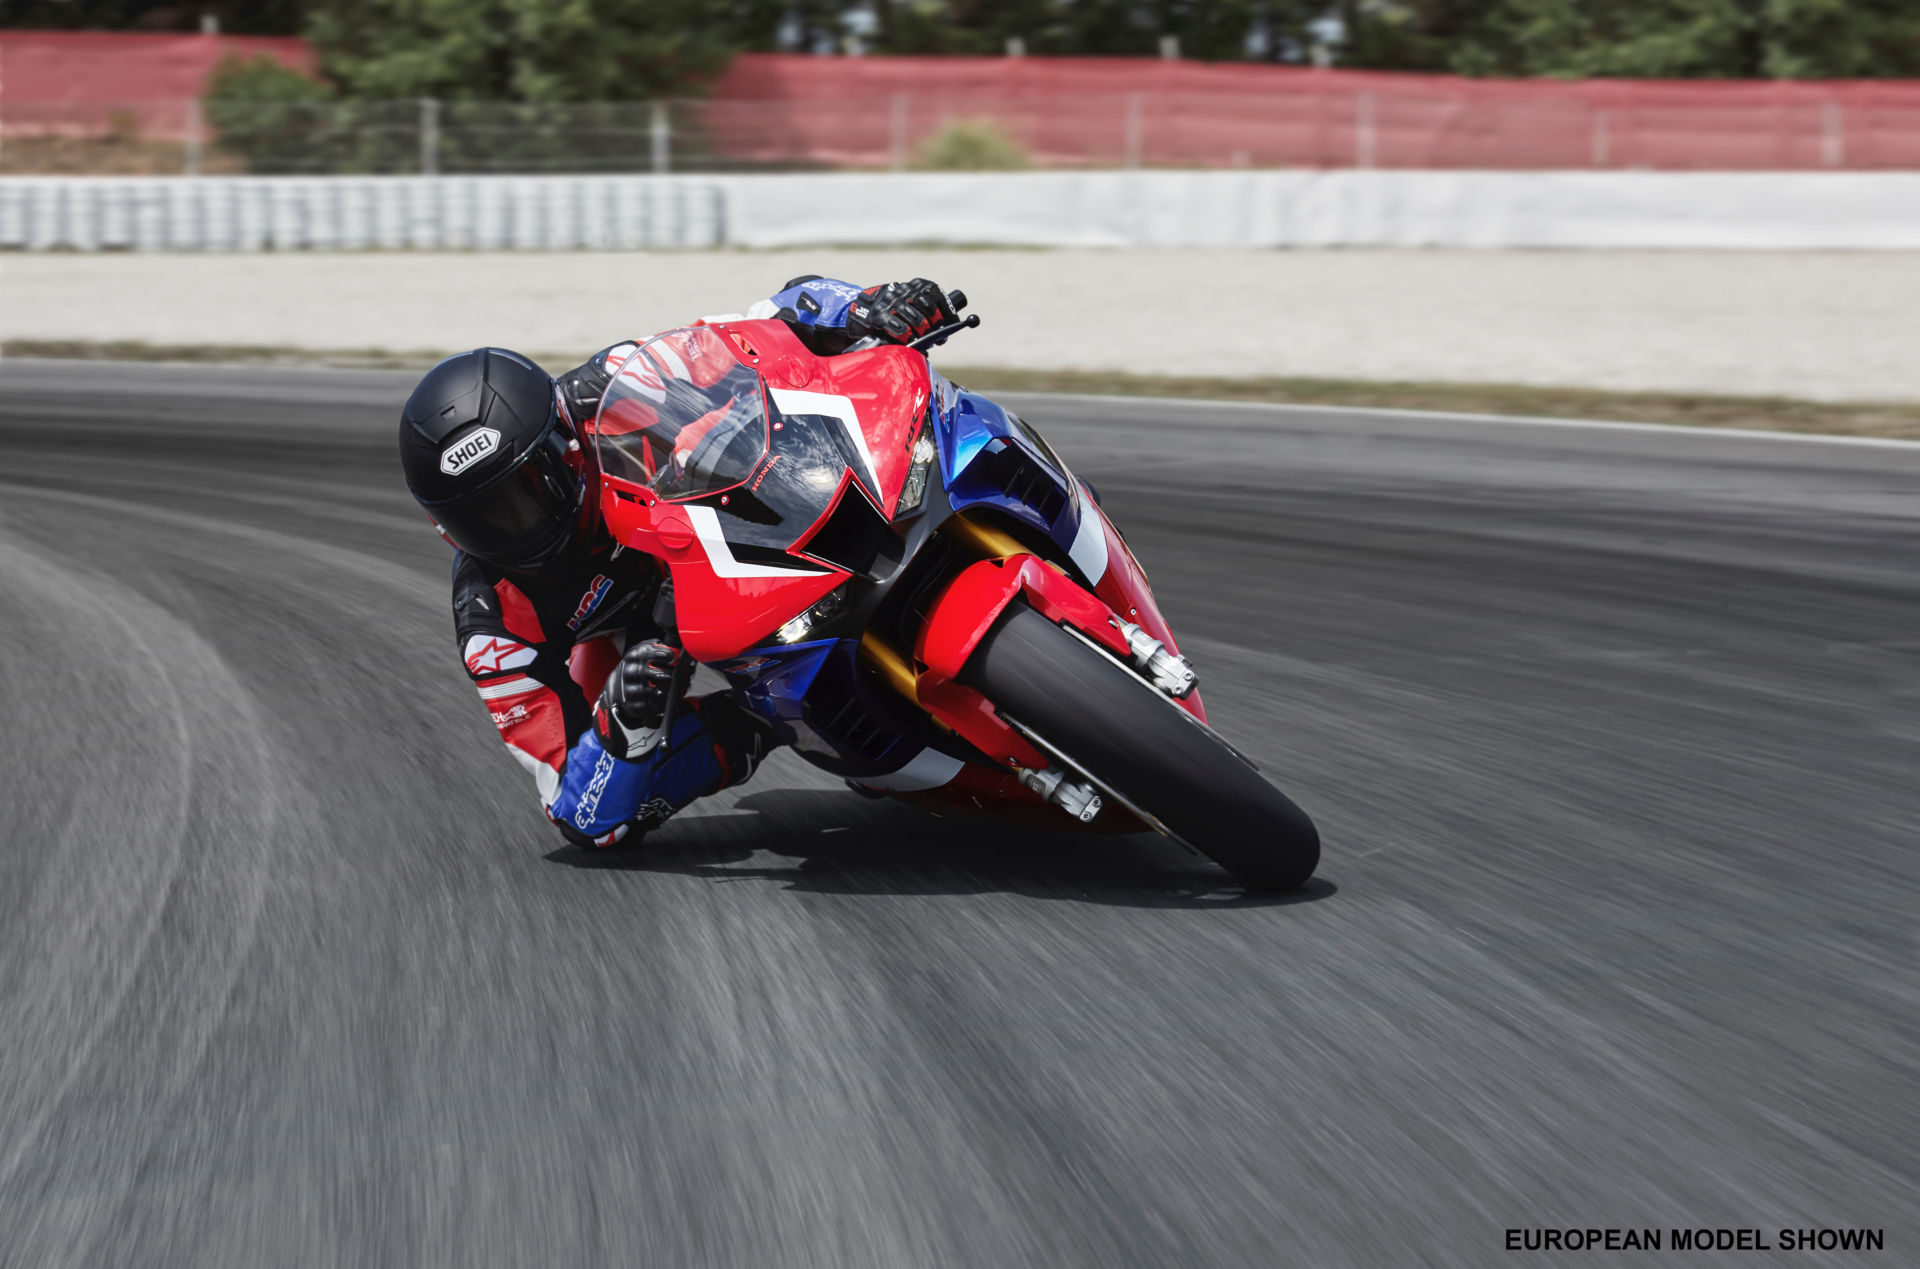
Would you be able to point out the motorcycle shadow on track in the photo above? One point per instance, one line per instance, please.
(841, 844)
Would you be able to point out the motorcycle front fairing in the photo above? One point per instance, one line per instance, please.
(781, 611)
(988, 460)
(997, 460)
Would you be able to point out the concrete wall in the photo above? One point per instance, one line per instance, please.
(1764, 210)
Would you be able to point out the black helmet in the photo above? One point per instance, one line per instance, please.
(492, 457)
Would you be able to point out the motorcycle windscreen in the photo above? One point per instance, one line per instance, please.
(683, 417)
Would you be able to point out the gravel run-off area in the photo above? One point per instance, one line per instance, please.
(1815, 326)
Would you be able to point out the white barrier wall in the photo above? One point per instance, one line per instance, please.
(1780, 210)
(1796, 210)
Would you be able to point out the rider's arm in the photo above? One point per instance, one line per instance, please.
(545, 720)
(584, 385)
(829, 316)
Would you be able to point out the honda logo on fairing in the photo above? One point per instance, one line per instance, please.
(469, 449)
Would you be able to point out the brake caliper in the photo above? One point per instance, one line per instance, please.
(1074, 796)
(1166, 671)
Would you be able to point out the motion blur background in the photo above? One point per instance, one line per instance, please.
(1717, 167)
(1610, 730)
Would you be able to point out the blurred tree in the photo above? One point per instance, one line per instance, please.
(807, 26)
(276, 119)
(1636, 38)
(237, 17)
(523, 50)
(1212, 30)
(570, 50)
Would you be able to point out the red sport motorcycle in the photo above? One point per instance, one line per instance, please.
(908, 585)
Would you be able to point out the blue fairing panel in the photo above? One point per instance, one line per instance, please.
(821, 302)
(973, 433)
(773, 682)
(815, 698)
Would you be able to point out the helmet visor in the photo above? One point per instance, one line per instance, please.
(524, 515)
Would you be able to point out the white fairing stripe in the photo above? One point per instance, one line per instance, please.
(1089, 549)
(929, 770)
(545, 777)
(793, 401)
(706, 524)
(762, 309)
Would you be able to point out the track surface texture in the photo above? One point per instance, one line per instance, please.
(1611, 736)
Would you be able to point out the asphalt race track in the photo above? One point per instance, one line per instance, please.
(1611, 735)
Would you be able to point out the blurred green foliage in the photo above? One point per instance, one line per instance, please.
(1213, 30)
(969, 145)
(522, 50)
(237, 17)
(1659, 39)
(281, 122)
(617, 50)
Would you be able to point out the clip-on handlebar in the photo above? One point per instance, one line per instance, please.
(934, 338)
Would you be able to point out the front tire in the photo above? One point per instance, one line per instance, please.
(1146, 749)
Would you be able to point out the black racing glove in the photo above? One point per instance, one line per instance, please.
(636, 706)
(900, 312)
(584, 385)
(739, 735)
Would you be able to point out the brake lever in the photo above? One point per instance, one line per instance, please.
(934, 338)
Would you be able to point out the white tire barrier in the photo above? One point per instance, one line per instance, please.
(1750, 210)
(360, 213)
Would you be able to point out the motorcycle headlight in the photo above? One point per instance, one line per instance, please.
(924, 453)
(826, 609)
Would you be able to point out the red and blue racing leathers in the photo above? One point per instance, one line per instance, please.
(540, 648)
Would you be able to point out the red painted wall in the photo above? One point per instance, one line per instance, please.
(793, 110)
(79, 81)
(1097, 111)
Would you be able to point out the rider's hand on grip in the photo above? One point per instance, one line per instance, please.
(636, 706)
(901, 312)
(585, 384)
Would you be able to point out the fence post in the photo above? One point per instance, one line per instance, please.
(660, 133)
(1833, 138)
(1136, 130)
(1363, 147)
(1602, 142)
(429, 136)
(897, 134)
(193, 137)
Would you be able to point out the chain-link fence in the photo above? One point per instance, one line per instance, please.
(1406, 125)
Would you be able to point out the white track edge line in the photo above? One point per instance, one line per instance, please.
(1284, 407)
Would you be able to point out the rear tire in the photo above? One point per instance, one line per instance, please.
(1135, 741)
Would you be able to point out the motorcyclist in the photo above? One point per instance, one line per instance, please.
(568, 635)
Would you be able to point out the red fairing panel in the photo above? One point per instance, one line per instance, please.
(967, 609)
(961, 618)
(726, 605)
(886, 388)
(1124, 588)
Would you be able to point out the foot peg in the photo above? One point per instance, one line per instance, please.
(1074, 796)
(1171, 674)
